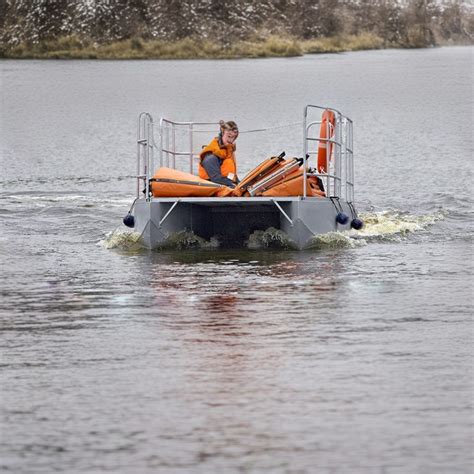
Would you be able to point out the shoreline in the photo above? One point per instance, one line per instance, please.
(70, 47)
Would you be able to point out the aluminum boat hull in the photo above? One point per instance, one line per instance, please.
(233, 220)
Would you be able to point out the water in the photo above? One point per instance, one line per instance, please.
(355, 356)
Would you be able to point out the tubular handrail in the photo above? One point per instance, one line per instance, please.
(339, 151)
(145, 144)
(339, 170)
(168, 150)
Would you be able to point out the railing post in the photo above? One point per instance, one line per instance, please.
(344, 153)
(338, 157)
(161, 142)
(173, 138)
(149, 151)
(167, 145)
(191, 145)
(138, 154)
(305, 149)
(351, 154)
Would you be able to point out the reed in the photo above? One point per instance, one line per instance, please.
(73, 47)
(337, 44)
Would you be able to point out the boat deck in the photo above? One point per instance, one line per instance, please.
(229, 201)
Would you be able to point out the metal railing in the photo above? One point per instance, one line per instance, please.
(169, 146)
(338, 178)
(339, 175)
(189, 132)
(145, 158)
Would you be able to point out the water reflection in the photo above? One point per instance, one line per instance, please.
(273, 284)
(223, 303)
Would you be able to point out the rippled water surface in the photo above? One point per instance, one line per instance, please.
(354, 356)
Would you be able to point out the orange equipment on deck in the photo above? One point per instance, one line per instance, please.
(168, 182)
(263, 169)
(292, 185)
(275, 177)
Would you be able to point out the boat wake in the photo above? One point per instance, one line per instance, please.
(121, 239)
(270, 238)
(335, 240)
(187, 239)
(394, 225)
(379, 226)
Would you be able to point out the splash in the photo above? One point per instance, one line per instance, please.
(122, 239)
(389, 225)
(394, 224)
(270, 238)
(335, 240)
(188, 240)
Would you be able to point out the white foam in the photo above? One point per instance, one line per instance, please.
(188, 240)
(122, 239)
(269, 238)
(394, 223)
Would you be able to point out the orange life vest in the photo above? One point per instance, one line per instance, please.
(326, 132)
(225, 153)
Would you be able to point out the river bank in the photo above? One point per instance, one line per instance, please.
(71, 47)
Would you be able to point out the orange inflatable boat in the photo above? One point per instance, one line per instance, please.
(168, 182)
(293, 184)
(270, 180)
(258, 173)
(273, 177)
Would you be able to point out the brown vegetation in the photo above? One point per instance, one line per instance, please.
(181, 29)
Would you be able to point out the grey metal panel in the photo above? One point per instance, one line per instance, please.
(235, 219)
(228, 200)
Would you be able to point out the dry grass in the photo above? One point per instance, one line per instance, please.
(71, 47)
(272, 46)
(337, 44)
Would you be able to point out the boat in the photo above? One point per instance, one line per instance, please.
(282, 193)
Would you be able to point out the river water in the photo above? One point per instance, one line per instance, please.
(355, 356)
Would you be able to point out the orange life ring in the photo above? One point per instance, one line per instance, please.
(326, 132)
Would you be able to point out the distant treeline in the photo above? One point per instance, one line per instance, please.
(35, 28)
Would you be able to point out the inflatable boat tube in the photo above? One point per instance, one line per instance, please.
(168, 182)
(259, 172)
(292, 185)
(272, 179)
